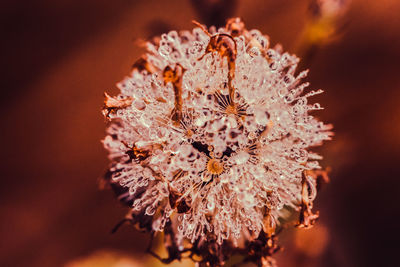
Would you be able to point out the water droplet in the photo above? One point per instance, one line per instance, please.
(150, 210)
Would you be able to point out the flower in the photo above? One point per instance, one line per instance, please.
(210, 138)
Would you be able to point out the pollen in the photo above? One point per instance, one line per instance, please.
(214, 166)
(231, 109)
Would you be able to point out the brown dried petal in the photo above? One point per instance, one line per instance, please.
(306, 218)
(111, 104)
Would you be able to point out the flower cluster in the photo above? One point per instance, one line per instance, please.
(209, 139)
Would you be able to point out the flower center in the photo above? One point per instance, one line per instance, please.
(214, 166)
(231, 109)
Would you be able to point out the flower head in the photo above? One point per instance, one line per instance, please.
(210, 136)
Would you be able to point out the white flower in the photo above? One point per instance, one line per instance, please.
(211, 133)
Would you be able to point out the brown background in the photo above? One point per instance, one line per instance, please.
(58, 57)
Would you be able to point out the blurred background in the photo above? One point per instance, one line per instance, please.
(58, 57)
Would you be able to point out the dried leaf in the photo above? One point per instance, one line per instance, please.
(111, 104)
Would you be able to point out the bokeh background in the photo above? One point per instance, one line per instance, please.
(57, 59)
